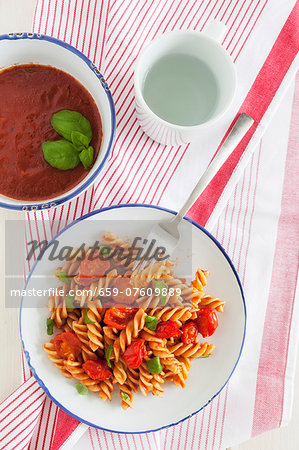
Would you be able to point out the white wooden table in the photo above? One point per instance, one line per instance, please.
(16, 16)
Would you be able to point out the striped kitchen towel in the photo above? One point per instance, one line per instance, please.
(262, 40)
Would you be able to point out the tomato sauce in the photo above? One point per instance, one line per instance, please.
(29, 96)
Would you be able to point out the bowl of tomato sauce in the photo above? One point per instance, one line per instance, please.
(40, 78)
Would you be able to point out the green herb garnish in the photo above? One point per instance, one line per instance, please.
(163, 289)
(86, 319)
(153, 365)
(67, 154)
(81, 389)
(62, 276)
(108, 352)
(151, 322)
(50, 325)
(65, 122)
(105, 250)
(69, 301)
(207, 356)
(61, 154)
(79, 140)
(86, 157)
(124, 396)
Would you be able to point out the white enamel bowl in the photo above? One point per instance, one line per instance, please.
(26, 48)
(207, 376)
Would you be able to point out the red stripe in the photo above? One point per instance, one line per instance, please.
(251, 30)
(173, 173)
(16, 407)
(240, 23)
(18, 424)
(18, 396)
(47, 17)
(67, 20)
(86, 24)
(166, 170)
(80, 21)
(215, 17)
(41, 15)
(276, 335)
(226, 10)
(92, 27)
(39, 426)
(27, 436)
(54, 18)
(51, 404)
(223, 415)
(268, 81)
(246, 25)
(22, 431)
(73, 22)
(64, 422)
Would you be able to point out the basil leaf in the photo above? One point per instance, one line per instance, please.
(69, 301)
(50, 325)
(124, 396)
(105, 250)
(65, 122)
(60, 154)
(81, 389)
(62, 275)
(160, 285)
(79, 140)
(207, 356)
(86, 319)
(153, 365)
(86, 157)
(151, 322)
(108, 354)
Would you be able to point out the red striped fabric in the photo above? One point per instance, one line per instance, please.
(256, 104)
(269, 400)
(134, 172)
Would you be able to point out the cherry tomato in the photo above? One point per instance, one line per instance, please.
(90, 270)
(67, 345)
(190, 332)
(126, 292)
(97, 370)
(206, 321)
(119, 317)
(135, 353)
(167, 330)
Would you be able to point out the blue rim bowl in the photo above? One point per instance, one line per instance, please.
(150, 430)
(6, 40)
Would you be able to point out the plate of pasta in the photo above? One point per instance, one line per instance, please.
(124, 350)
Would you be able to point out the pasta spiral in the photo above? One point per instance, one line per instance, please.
(94, 330)
(196, 350)
(131, 331)
(56, 359)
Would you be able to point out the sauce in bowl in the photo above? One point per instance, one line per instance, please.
(29, 96)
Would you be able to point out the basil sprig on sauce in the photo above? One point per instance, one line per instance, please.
(61, 154)
(67, 154)
(65, 122)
